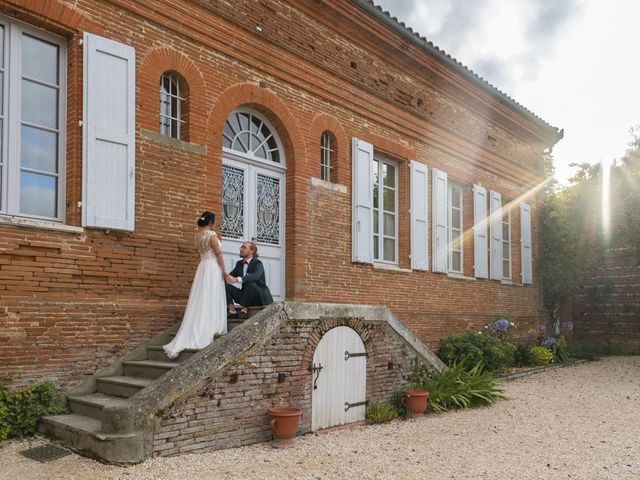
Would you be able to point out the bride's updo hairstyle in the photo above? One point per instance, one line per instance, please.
(207, 218)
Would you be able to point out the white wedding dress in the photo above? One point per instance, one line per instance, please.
(206, 312)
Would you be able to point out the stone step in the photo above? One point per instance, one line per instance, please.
(121, 386)
(91, 405)
(147, 368)
(82, 434)
(156, 353)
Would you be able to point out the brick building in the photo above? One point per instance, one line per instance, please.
(371, 168)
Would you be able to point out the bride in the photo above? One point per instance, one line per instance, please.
(205, 314)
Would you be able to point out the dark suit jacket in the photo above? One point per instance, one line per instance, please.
(255, 273)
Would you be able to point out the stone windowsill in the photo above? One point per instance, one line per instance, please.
(36, 224)
(334, 187)
(173, 142)
(391, 268)
(458, 276)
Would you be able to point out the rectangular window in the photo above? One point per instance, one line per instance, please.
(32, 94)
(454, 203)
(385, 211)
(506, 241)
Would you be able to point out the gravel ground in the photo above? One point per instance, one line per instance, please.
(580, 422)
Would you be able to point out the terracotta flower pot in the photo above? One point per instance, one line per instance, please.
(284, 425)
(416, 401)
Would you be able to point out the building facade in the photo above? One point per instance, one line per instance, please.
(369, 166)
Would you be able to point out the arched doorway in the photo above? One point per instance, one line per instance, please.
(339, 380)
(253, 189)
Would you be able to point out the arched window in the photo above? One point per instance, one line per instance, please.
(172, 99)
(327, 156)
(249, 135)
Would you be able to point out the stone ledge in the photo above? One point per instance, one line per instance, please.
(534, 370)
(37, 224)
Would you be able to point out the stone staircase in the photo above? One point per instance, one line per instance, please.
(90, 427)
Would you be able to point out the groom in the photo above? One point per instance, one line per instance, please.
(246, 283)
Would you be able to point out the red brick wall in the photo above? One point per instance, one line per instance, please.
(231, 409)
(71, 302)
(606, 309)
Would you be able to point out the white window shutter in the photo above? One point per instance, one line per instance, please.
(362, 196)
(419, 217)
(480, 228)
(108, 164)
(495, 231)
(440, 248)
(525, 243)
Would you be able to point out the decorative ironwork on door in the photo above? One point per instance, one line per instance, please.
(232, 224)
(268, 209)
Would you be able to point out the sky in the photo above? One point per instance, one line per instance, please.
(574, 63)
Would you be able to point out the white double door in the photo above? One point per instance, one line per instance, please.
(253, 209)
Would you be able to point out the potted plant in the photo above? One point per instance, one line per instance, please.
(284, 425)
(415, 399)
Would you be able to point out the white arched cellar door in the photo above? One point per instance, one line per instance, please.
(339, 380)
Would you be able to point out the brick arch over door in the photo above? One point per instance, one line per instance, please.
(320, 124)
(327, 324)
(153, 65)
(277, 112)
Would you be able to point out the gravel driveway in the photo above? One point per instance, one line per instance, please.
(581, 422)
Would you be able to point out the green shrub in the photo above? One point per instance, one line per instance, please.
(458, 387)
(381, 413)
(540, 355)
(21, 410)
(474, 348)
(522, 356)
(561, 350)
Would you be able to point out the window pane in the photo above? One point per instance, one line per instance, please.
(376, 191)
(505, 231)
(455, 238)
(376, 221)
(39, 60)
(389, 225)
(38, 194)
(455, 197)
(455, 261)
(389, 173)
(39, 149)
(243, 119)
(455, 219)
(39, 104)
(261, 152)
(389, 250)
(165, 105)
(256, 124)
(376, 247)
(389, 200)
(275, 156)
(505, 269)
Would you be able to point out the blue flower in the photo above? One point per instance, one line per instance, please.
(548, 342)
